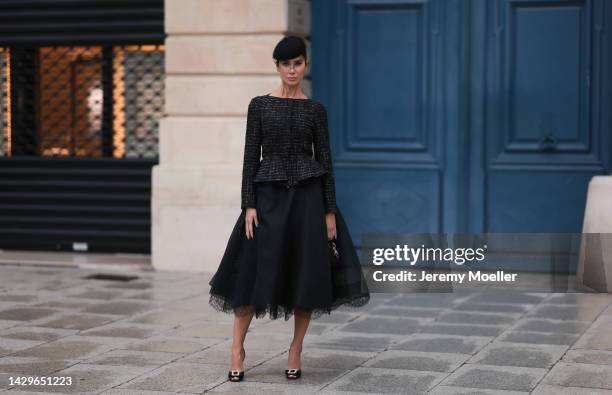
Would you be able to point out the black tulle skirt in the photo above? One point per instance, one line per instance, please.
(287, 267)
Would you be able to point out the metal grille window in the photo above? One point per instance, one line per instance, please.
(81, 97)
(81, 101)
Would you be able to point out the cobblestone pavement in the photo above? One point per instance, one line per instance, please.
(156, 334)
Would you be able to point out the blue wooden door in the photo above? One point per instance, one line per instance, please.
(464, 115)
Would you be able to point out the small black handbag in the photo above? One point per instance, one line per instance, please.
(338, 273)
(333, 250)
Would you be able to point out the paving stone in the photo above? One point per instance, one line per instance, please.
(25, 314)
(118, 307)
(386, 381)
(5, 324)
(595, 357)
(122, 331)
(319, 329)
(508, 297)
(476, 318)
(277, 326)
(134, 358)
(179, 377)
(172, 299)
(10, 346)
(580, 375)
(437, 300)
(144, 296)
(417, 360)
(599, 299)
(332, 359)
(257, 388)
(33, 366)
(5, 381)
(336, 317)
(96, 378)
(382, 296)
(163, 317)
(493, 307)
(564, 312)
(89, 379)
(59, 286)
(548, 389)
(114, 391)
(205, 329)
(595, 339)
(347, 308)
(171, 344)
(68, 304)
(603, 323)
(5, 351)
(512, 354)
(538, 338)
(448, 390)
(11, 297)
(462, 329)
(554, 326)
(397, 311)
(495, 377)
(95, 294)
(321, 358)
(219, 354)
(351, 343)
(78, 321)
(380, 325)
(443, 344)
(72, 347)
(269, 341)
(10, 305)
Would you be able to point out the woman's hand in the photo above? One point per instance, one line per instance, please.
(249, 218)
(330, 220)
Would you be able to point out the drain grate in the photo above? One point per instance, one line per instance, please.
(111, 277)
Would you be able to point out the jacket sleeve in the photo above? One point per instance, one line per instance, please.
(323, 156)
(252, 153)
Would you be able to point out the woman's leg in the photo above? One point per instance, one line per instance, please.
(241, 325)
(302, 319)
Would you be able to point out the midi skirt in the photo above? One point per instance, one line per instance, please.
(287, 267)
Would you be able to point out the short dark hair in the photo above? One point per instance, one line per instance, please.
(289, 47)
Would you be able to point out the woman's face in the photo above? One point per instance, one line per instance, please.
(292, 70)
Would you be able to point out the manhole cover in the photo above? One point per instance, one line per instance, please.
(111, 277)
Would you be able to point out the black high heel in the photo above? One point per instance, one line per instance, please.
(293, 374)
(237, 375)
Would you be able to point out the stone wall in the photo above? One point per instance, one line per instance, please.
(218, 56)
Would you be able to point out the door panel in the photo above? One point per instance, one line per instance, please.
(543, 143)
(396, 207)
(383, 95)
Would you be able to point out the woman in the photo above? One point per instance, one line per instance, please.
(278, 258)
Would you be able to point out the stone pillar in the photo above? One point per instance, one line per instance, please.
(218, 56)
(594, 272)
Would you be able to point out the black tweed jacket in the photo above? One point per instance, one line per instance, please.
(283, 132)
